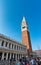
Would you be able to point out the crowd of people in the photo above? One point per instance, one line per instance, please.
(28, 61)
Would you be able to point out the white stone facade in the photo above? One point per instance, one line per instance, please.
(11, 49)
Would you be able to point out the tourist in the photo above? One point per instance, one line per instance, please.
(18, 62)
(40, 61)
(33, 61)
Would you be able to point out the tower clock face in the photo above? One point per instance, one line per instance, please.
(23, 27)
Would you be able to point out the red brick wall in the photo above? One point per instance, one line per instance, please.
(26, 40)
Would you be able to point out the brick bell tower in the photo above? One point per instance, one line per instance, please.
(25, 35)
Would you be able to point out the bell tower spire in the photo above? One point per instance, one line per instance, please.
(24, 19)
(24, 24)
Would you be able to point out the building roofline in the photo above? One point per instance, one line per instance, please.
(10, 39)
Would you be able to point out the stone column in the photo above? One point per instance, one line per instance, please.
(16, 57)
(3, 56)
(0, 42)
(8, 45)
(4, 43)
(11, 46)
(20, 55)
(10, 55)
(13, 55)
(7, 56)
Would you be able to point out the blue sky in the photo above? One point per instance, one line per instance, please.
(11, 14)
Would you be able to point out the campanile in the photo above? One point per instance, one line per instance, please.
(26, 35)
